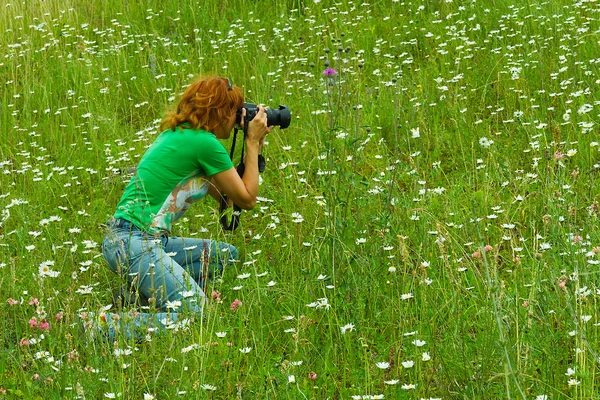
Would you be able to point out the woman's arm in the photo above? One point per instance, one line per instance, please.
(243, 191)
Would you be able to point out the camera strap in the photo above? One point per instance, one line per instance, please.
(235, 216)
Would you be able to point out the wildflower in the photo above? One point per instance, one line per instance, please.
(173, 305)
(148, 396)
(12, 302)
(245, 350)
(419, 343)
(221, 334)
(346, 328)
(320, 303)
(408, 386)
(297, 218)
(329, 72)
(33, 323)
(45, 271)
(584, 109)
(291, 379)
(425, 356)
(383, 365)
(312, 376)
(415, 133)
(45, 325)
(406, 296)
(408, 364)
(391, 382)
(189, 348)
(485, 142)
(236, 304)
(122, 352)
(24, 342)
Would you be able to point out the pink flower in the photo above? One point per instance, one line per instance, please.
(45, 325)
(35, 377)
(476, 254)
(525, 303)
(562, 284)
(34, 302)
(12, 302)
(216, 296)
(558, 155)
(329, 72)
(312, 376)
(236, 303)
(24, 342)
(33, 323)
(59, 316)
(488, 248)
(577, 239)
(229, 344)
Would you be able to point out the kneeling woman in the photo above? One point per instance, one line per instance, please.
(184, 164)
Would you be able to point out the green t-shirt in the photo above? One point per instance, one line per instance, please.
(174, 172)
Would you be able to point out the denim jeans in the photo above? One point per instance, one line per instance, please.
(169, 270)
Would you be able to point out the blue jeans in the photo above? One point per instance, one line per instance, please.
(170, 271)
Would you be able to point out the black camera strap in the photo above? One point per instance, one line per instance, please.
(235, 216)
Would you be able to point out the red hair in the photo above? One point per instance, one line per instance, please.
(206, 104)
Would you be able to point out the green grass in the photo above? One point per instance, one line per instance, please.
(394, 222)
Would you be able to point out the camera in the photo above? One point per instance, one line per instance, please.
(275, 116)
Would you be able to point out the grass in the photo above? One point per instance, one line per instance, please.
(428, 223)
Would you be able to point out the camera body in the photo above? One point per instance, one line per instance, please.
(275, 116)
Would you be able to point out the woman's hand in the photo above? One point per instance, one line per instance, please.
(257, 128)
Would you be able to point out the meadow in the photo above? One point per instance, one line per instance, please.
(427, 226)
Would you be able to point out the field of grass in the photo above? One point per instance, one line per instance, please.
(428, 224)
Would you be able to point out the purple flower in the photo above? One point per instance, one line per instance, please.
(329, 72)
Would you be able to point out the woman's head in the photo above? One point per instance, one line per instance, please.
(208, 103)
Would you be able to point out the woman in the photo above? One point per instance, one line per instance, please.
(185, 162)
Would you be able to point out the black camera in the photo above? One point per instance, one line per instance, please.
(275, 116)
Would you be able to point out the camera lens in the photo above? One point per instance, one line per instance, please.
(279, 116)
(275, 116)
